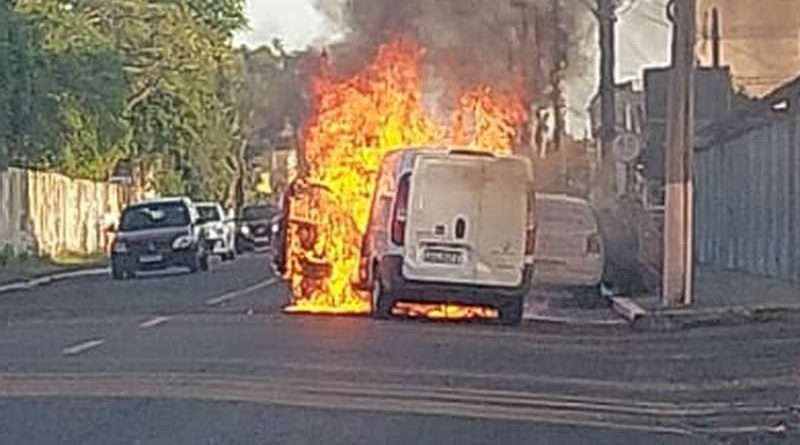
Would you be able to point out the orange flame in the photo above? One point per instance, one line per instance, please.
(356, 121)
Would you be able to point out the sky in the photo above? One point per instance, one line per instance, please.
(296, 22)
(643, 38)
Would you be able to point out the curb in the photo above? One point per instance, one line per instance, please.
(731, 316)
(52, 278)
(627, 309)
(680, 319)
(572, 321)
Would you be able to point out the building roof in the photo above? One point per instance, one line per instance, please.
(764, 111)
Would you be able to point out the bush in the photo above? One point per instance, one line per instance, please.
(6, 255)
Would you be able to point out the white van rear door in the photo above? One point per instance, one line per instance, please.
(466, 221)
(503, 222)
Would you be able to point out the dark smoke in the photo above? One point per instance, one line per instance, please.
(501, 43)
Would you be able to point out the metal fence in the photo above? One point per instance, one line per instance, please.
(746, 200)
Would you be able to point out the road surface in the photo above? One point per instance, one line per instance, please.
(210, 359)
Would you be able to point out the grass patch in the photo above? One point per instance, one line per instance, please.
(25, 267)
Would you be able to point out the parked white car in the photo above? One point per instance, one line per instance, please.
(569, 247)
(452, 227)
(220, 231)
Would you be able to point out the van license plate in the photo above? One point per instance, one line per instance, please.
(443, 257)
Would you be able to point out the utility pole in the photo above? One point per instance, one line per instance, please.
(716, 39)
(606, 15)
(557, 77)
(678, 215)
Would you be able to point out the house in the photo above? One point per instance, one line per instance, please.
(760, 41)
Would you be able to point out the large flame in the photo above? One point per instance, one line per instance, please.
(356, 121)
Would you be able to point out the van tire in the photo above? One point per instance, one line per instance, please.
(591, 297)
(511, 312)
(381, 308)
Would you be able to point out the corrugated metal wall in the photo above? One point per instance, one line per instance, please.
(747, 208)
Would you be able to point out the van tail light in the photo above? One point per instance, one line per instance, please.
(530, 240)
(530, 232)
(593, 244)
(400, 211)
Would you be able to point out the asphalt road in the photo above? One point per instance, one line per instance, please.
(210, 359)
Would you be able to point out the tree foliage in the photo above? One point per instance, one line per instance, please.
(85, 83)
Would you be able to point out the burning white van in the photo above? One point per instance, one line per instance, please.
(450, 227)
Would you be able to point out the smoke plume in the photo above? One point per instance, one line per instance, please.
(506, 44)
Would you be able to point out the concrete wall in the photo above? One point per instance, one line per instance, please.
(747, 201)
(52, 214)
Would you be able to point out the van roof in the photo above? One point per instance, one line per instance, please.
(444, 151)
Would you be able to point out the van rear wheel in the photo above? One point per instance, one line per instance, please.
(381, 304)
(511, 312)
(590, 297)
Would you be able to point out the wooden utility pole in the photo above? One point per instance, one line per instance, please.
(606, 15)
(557, 76)
(716, 39)
(678, 215)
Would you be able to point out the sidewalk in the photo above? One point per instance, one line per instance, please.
(36, 272)
(727, 297)
(561, 308)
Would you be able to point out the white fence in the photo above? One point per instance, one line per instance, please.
(52, 214)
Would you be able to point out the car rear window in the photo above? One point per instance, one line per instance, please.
(260, 212)
(565, 215)
(209, 213)
(154, 216)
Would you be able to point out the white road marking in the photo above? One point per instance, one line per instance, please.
(231, 295)
(82, 347)
(154, 322)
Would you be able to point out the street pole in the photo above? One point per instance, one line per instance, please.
(606, 14)
(716, 39)
(557, 75)
(678, 215)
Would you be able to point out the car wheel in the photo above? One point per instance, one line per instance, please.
(203, 262)
(196, 263)
(381, 303)
(117, 273)
(511, 312)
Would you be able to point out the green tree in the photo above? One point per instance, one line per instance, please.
(66, 85)
(88, 82)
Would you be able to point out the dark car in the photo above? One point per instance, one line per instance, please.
(256, 227)
(158, 234)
